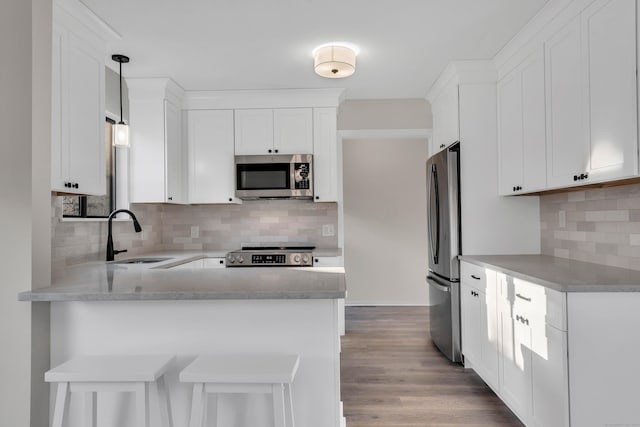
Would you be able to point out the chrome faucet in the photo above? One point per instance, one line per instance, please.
(111, 253)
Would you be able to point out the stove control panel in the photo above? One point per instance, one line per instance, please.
(269, 259)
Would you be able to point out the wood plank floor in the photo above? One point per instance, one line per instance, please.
(392, 375)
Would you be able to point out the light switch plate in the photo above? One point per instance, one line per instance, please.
(562, 219)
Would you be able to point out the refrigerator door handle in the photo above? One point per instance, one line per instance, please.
(438, 285)
(433, 182)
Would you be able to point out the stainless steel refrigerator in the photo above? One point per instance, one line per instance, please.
(443, 229)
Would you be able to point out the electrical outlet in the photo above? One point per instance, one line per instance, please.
(195, 231)
(562, 219)
(328, 230)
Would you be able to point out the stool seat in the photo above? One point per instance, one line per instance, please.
(242, 369)
(90, 375)
(242, 373)
(110, 368)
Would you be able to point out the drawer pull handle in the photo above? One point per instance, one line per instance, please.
(523, 297)
(473, 276)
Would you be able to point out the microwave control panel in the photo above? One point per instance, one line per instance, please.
(301, 175)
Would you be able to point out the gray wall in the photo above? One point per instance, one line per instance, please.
(25, 84)
(385, 244)
(385, 114)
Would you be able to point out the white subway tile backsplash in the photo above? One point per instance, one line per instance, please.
(603, 228)
(168, 227)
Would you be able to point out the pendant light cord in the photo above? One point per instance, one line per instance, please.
(121, 121)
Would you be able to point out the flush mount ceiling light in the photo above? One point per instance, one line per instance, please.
(120, 130)
(335, 60)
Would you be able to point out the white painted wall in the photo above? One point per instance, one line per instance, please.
(25, 84)
(385, 221)
(15, 210)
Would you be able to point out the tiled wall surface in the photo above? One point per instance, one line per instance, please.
(74, 242)
(230, 226)
(169, 227)
(602, 225)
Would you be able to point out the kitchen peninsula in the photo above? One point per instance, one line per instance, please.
(164, 308)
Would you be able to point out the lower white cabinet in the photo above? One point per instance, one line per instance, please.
(479, 322)
(202, 263)
(514, 336)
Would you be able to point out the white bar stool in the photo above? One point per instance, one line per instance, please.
(113, 373)
(268, 374)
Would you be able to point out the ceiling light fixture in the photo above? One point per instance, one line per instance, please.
(120, 130)
(335, 60)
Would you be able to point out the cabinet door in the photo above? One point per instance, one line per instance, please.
(515, 353)
(550, 378)
(446, 115)
(510, 138)
(211, 151)
(521, 128)
(254, 131)
(328, 261)
(609, 63)
(175, 155)
(293, 130)
(568, 153)
(326, 160)
(471, 312)
(490, 353)
(86, 119)
(59, 80)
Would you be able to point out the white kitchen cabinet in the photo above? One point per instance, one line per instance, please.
(446, 117)
(273, 131)
(328, 261)
(158, 147)
(201, 263)
(591, 96)
(479, 321)
(175, 157)
(521, 128)
(78, 110)
(609, 61)
(325, 155)
(293, 130)
(210, 156)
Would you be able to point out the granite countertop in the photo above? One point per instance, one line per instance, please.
(104, 281)
(561, 274)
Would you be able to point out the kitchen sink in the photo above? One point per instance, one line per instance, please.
(140, 260)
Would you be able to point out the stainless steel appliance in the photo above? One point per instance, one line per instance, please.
(271, 256)
(281, 176)
(443, 229)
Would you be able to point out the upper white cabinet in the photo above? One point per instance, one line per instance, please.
(591, 96)
(326, 162)
(273, 131)
(158, 148)
(78, 108)
(521, 128)
(446, 117)
(211, 162)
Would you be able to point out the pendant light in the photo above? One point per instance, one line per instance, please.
(120, 130)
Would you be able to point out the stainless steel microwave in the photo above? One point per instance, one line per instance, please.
(281, 176)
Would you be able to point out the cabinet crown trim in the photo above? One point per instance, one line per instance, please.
(463, 72)
(239, 99)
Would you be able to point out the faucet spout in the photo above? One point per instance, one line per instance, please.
(111, 253)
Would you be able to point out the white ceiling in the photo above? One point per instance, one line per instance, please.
(267, 44)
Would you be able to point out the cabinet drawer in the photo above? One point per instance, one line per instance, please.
(473, 275)
(538, 301)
